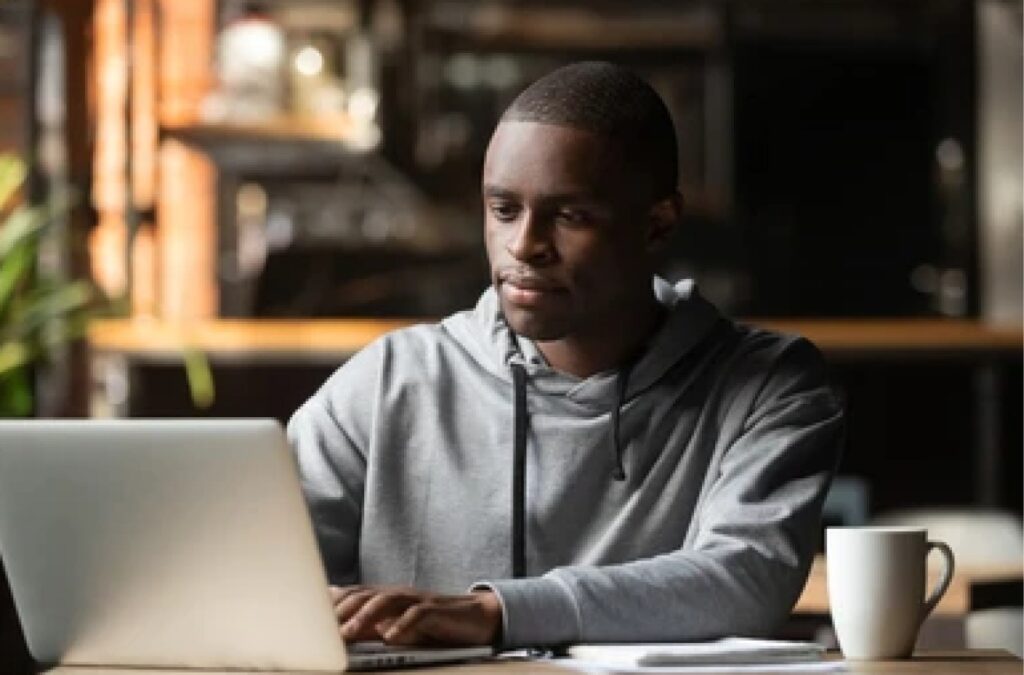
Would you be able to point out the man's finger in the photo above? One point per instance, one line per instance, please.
(438, 624)
(342, 592)
(383, 626)
(350, 607)
(352, 603)
(406, 629)
(382, 606)
(339, 593)
(457, 620)
(335, 592)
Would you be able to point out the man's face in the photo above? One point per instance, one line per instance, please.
(567, 238)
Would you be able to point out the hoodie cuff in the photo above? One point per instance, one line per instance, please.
(535, 612)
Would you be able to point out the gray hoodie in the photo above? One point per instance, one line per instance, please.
(676, 499)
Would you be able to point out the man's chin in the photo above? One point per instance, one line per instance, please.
(534, 325)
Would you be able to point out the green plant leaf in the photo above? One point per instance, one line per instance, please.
(27, 223)
(23, 224)
(199, 377)
(37, 314)
(12, 175)
(15, 393)
(42, 306)
(13, 355)
(14, 267)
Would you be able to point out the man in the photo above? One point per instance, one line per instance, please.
(590, 454)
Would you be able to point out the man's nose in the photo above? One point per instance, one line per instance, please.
(531, 241)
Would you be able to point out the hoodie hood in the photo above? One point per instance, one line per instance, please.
(484, 333)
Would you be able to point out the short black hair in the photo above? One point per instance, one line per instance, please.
(611, 101)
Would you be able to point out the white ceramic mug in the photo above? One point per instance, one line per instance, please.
(876, 584)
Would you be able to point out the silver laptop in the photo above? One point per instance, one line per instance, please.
(170, 543)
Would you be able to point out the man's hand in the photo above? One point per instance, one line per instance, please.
(407, 616)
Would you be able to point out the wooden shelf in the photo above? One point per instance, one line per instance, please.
(302, 340)
(336, 339)
(911, 336)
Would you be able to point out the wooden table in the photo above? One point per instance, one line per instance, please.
(962, 662)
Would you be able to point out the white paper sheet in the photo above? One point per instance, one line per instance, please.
(597, 668)
(726, 655)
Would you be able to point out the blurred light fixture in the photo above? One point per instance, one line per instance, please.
(925, 279)
(950, 155)
(501, 72)
(280, 230)
(362, 109)
(462, 71)
(953, 292)
(362, 104)
(251, 203)
(309, 61)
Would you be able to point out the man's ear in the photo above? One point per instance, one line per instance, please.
(662, 220)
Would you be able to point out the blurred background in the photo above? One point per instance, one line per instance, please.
(231, 197)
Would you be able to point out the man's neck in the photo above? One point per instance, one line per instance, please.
(601, 350)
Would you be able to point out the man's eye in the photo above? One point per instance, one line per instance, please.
(504, 212)
(574, 216)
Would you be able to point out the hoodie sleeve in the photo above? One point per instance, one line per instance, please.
(330, 435)
(756, 533)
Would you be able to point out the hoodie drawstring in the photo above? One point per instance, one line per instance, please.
(621, 383)
(521, 423)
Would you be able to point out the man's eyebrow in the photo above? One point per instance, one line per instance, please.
(495, 191)
(574, 197)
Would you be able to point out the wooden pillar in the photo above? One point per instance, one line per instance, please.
(172, 267)
(108, 240)
(143, 138)
(186, 232)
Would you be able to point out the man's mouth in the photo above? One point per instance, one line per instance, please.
(527, 290)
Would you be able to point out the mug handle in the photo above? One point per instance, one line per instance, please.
(943, 583)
